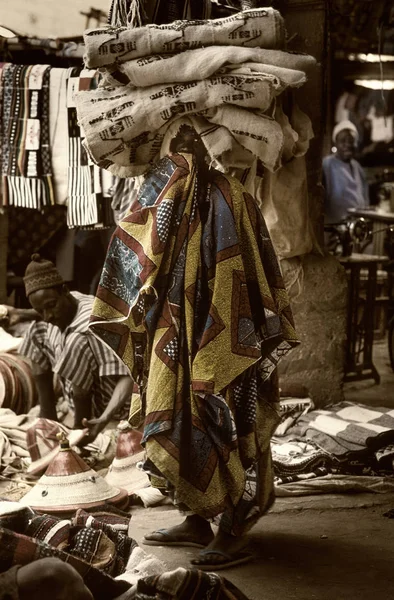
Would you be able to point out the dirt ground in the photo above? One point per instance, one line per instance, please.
(326, 547)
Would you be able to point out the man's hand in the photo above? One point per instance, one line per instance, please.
(10, 316)
(95, 426)
(51, 578)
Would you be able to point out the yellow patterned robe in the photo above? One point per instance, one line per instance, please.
(192, 299)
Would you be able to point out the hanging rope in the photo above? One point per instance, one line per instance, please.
(380, 30)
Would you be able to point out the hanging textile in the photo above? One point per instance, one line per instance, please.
(86, 183)
(58, 131)
(26, 158)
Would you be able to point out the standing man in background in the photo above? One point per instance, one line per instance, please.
(343, 177)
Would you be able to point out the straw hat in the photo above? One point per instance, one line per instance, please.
(69, 483)
(17, 388)
(43, 443)
(123, 471)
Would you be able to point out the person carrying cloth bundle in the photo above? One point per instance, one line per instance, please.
(192, 300)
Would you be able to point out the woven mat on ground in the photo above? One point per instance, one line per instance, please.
(109, 561)
(293, 461)
(347, 427)
(297, 460)
(336, 484)
(259, 28)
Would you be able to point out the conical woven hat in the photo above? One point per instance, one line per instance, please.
(43, 443)
(123, 471)
(69, 483)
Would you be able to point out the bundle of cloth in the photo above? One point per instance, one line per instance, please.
(223, 77)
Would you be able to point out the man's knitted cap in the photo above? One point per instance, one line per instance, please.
(41, 274)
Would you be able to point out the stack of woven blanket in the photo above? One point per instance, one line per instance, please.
(221, 76)
(348, 444)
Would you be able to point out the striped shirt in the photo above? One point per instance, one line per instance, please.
(76, 356)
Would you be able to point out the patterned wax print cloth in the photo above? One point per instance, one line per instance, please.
(191, 294)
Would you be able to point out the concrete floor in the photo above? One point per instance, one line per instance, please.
(326, 547)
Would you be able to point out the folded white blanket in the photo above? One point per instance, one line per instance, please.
(125, 126)
(255, 28)
(195, 65)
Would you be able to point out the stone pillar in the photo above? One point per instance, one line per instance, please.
(318, 292)
(316, 282)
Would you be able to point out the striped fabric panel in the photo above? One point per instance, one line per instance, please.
(83, 206)
(84, 178)
(26, 170)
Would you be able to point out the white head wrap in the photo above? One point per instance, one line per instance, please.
(342, 126)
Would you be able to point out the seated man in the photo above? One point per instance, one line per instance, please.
(93, 380)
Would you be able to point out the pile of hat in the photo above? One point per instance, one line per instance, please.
(17, 388)
(69, 483)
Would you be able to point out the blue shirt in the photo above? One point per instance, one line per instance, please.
(345, 187)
